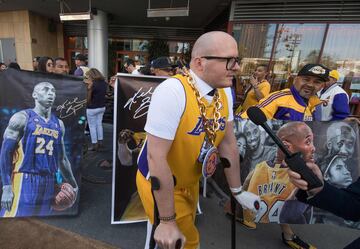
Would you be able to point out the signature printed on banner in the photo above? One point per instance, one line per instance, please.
(144, 99)
(70, 107)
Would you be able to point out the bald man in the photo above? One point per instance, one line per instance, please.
(182, 108)
(32, 153)
(270, 181)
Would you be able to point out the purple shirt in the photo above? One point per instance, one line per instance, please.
(78, 72)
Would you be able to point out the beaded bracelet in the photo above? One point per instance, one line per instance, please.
(168, 218)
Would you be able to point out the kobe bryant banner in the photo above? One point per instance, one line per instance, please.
(42, 119)
(333, 146)
(132, 100)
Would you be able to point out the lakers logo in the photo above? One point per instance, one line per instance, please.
(209, 164)
(199, 127)
(317, 70)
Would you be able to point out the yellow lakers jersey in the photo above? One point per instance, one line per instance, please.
(189, 138)
(271, 183)
(139, 138)
(250, 99)
(287, 104)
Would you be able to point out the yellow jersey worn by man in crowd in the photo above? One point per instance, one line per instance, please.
(335, 101)
(271, 182)
(258, 88)
(297, 103)
(187, 129)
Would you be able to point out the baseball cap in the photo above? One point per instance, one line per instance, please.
(334, 74)
(326, 167)
(161, 62)
(80, 57)
(316, 70)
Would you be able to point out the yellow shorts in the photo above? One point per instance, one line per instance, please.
(185, 199)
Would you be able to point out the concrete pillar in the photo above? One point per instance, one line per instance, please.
(98, 42)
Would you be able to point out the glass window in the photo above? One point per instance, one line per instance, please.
(295, 46)
(342, 52)
(7, 50)
(178, 47)
(140, 45)
(255, 43)
(78, 42)
(186, 47)
(127, 45)
(85, 44)
(174, 46)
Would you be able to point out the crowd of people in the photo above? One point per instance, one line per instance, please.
(160, 66)
(200, 87)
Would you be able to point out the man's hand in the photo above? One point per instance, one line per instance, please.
(65, 197)
(7, 197)
(296, 179)
(112, 81)
(167, 234)
(253, 81)
(248, 201)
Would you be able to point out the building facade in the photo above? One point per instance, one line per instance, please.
(287, 35)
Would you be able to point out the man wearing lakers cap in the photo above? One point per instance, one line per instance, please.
(335, 101)
(190, 120)
(297, 103)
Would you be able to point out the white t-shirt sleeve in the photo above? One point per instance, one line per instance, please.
(230, 103)
(166, 108)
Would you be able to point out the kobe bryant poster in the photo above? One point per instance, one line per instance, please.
(332, 146)
(132, 100)
(42, 118)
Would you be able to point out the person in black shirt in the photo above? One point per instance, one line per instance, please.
(97, 87)
(343, 202)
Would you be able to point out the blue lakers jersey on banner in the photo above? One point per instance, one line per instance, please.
(39, 148)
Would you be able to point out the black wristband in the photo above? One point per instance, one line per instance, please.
(237, 193)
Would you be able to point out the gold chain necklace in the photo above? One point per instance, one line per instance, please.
(210, 128)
